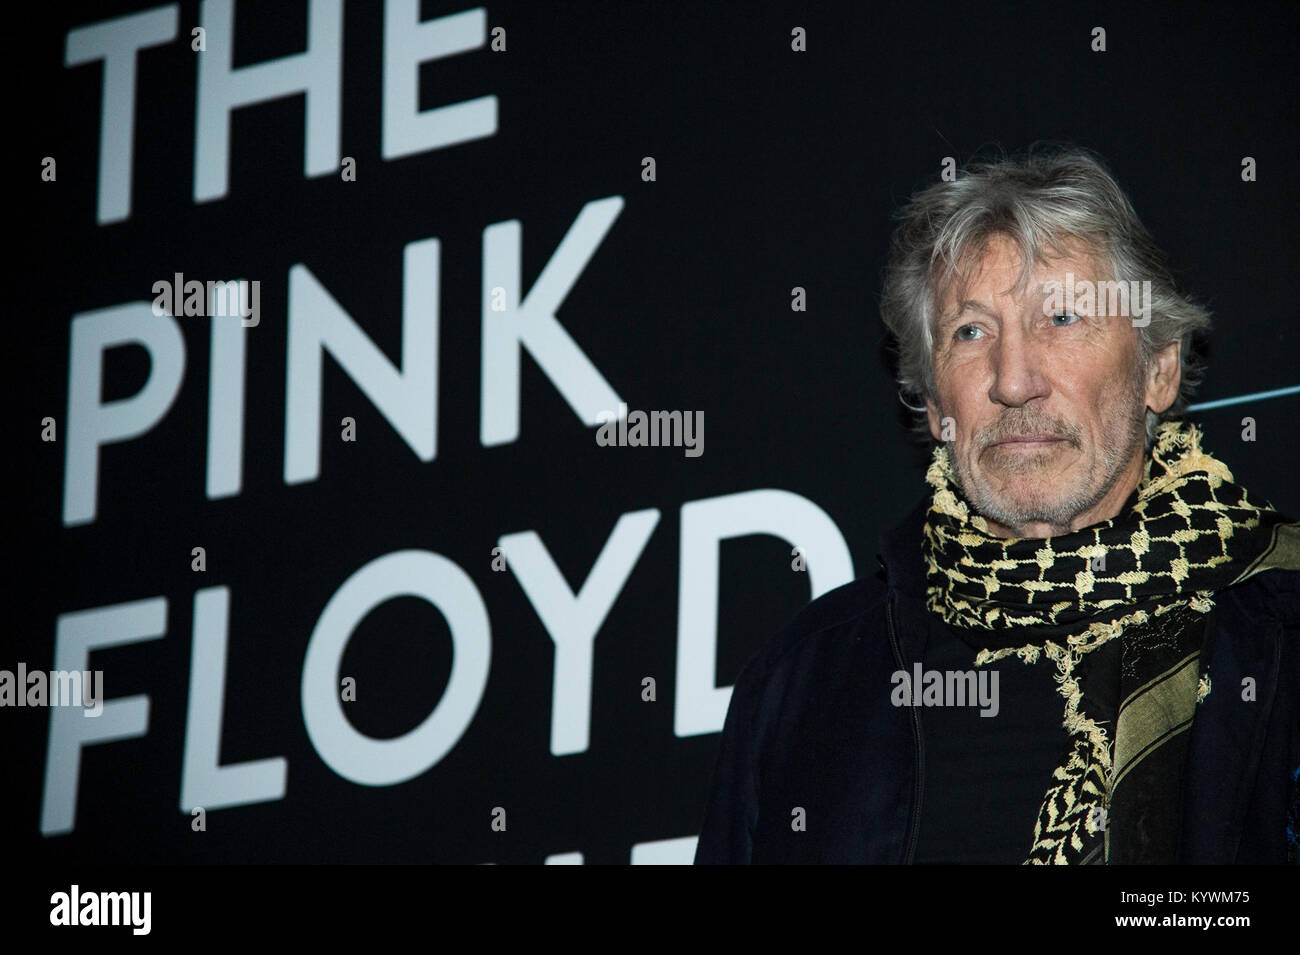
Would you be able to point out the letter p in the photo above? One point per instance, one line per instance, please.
(93, 422)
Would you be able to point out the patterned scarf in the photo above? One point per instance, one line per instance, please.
(1149, 573)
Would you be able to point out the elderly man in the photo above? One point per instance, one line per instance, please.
(1084, 643)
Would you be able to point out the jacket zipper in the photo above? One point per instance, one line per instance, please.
(909, 848)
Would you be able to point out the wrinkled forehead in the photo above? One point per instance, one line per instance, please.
(1018, 269)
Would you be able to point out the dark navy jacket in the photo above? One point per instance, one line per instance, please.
(811, 726)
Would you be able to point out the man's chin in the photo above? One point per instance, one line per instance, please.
(1015, 507)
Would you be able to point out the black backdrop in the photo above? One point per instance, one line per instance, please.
(775, 169)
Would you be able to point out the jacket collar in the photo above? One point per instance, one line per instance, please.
(900, 552)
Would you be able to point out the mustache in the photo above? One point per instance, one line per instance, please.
(1014, 424)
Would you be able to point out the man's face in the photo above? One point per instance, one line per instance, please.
(1047, 407)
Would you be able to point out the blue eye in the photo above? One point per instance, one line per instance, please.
(1070, 315)
(972, 328)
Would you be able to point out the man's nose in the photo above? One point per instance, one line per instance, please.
(1017, 368)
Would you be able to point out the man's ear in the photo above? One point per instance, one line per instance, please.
(1164, 375)
(932, 412)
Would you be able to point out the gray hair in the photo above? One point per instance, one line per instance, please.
(1040, 202)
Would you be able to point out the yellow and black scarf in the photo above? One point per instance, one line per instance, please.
(1150, 573)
